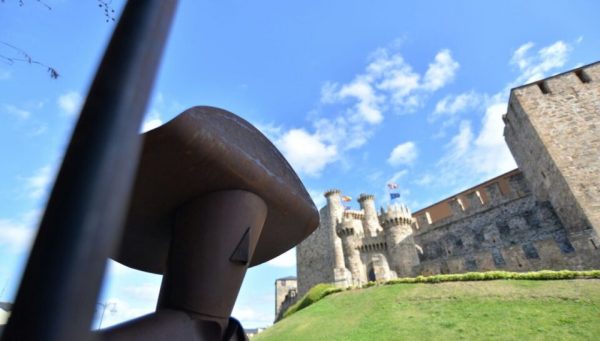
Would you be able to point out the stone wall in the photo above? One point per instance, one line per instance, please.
(552, 128)
(510, 231)
(285, 294)
(315, 258)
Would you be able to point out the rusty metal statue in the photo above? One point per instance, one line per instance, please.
(198, 200)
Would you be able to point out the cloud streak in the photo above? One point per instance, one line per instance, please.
(70, 103)
(477, 155)
(403, 154)
(388, 83)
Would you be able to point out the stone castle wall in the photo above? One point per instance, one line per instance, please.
(510, 231)
(316, 256)
(545, 215)
(285, 294)
(315, 259)
(552, 128)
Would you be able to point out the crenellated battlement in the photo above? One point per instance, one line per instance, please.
(396, 214)
(372, 244)
(364, 196)
(331, 192)
(494, 192)
(543, 215)
(354, 214)
(576, 80)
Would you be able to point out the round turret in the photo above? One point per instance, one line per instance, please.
(349, 230)
(331, 214)
(331, 192)
(396, 214)
(370, 221)
(364, 196)
(397, 222)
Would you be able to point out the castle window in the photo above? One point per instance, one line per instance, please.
(583, 76)
(543, 87)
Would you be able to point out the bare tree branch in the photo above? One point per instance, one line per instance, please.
(26, 58)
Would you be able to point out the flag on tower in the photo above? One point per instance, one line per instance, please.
(394, 195)
(346, 198)
(392, 185)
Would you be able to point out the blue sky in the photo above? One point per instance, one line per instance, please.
(354, 93)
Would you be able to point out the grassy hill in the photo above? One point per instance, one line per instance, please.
(499, 310)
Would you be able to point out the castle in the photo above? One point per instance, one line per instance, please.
(543, 215)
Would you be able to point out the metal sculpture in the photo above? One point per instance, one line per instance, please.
(211, 196)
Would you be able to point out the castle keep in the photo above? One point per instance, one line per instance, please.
(543, 215)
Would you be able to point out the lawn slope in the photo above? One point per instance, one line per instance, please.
(498, 310)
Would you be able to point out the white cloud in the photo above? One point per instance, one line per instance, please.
(537, 66)
(252, 316)
(15, 236)
(317, 197)
(115, 268)
(329, 92)
(404, 153)
(388, 82)
(396, 78)
(16, 111)
(472, 156)
(153, 118)
(367, 108)
(70, 103)
(306, 152)
(441, 71)
(38, 184)
(424, 180)
(151, 124)
(461, 142)
(397, 176)
(453, 104)
(144, 291)
(285, 260)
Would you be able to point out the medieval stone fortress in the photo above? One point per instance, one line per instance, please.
(543, 215)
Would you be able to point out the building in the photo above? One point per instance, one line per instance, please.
(285, 294)
(543, 215)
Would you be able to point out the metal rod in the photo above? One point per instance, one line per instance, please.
(83, 220)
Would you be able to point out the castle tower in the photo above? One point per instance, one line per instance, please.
(370, 221)
(335, 211)
(319, 255)
(402, 252)
(552, 128)
(349, 230)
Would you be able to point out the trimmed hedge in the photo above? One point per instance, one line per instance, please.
(493, 275)
(319, 291)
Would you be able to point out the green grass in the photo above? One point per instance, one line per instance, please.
(476, 310)
(315, 294)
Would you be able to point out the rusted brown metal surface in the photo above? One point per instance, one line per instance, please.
(81, 225)
(205, 150)
(209, 197)
(212, 197)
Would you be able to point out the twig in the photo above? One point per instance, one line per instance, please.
(26, 58)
